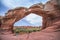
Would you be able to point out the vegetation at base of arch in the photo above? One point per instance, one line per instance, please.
(25, 30)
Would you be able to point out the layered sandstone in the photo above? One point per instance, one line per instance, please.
(11, 17)
(51, 21)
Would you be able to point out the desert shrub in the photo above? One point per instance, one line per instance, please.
(26, 30)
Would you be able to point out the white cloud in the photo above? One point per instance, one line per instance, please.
(34, 19)
(18, 3)
(2, 14)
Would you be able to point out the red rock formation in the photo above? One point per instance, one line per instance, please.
(49, 12)
(11, 17)
(51, 21)
(0, 21)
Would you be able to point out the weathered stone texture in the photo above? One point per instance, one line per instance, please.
(51, 21)
(11, 17)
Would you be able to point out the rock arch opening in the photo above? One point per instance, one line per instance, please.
(30, 20)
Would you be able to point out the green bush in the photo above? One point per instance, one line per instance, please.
(18, 30)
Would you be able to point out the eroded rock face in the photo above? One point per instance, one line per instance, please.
(51, 21)
(0, 21)
(11, 17)
(53, 12)
(50, 12)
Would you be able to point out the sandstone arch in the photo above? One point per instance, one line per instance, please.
(11, 17)
(14, 15)
(50, 12)
(38, 9)
(51, 22)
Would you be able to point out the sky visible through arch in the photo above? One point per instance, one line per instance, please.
(5, 5)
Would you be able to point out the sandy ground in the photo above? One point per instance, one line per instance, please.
(32, 36)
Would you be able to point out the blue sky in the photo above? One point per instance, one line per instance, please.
(5, 5)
